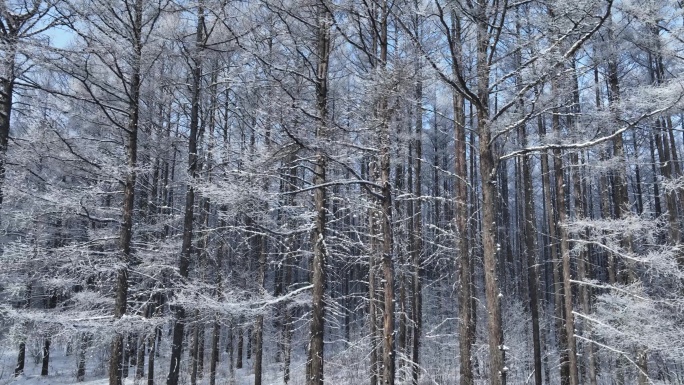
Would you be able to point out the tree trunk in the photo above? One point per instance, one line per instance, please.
(555, 260)
(186, 248)
(249, 348)
(7, 79)
(21, 356)
(216, 328)
(531, 251)
(372, 305)
(200, 350)
(259, 324)
(568, 319)
(582, 275)
(497, 355)
(140, 359)
(126, 231)
(240, 347)
(388, 356)
(461, 218)
(194, 350)
(215, 351)
(231, 351)
(315, 353)
(152, 339)
(417, 233)
(46, 357)
(82, 349)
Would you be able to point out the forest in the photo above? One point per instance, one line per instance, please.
(423, 192)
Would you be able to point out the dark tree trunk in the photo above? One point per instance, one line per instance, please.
(21, 356)
(82, 349)
(240, 347)
(259, 324)
(186, 249)
(46, 357)
(555, 260)
(417, 233)
(194, 350)
(140, 359)
(249, 348)
(215, 352)
(200, 351)
(315, 354)
(497, 355)
(564, 283)
(7, 79)
(531, 250)
(126, 232)
(152, 339)
(466, 326)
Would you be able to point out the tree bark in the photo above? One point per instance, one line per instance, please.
(461, 218)
(497, 355)
(151, 343)
(7, 79)
(140, 359)
(530, 252)
(126, 232)
(240, 347)
(186, 248)
(259, 324)
(568, 319)
(46, 357)
(21, 356)
(194, 350)
(417, 233)
(82, 349)
(315, 354)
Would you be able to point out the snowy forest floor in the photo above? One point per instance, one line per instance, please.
(62, 371)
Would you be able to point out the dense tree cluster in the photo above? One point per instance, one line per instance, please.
(321, 191)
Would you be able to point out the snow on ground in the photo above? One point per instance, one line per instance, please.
(54, 380)
(62, 371)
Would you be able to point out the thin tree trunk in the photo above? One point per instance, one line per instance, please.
(151, 343)
(127, 357)
(582, 275)
(417, 233)
(186, 248)
(531, 251)
(231, 351)
(200, 350)
(497, 355)
(46, 357)
(82, 349)
(126, 231)
(473, 228)
(461, 219)
(194, 349)
(140, 359)
(315, 352)
(568, 317)
(259, 324)
(388, 353)
(287, 330)
(216, 328)
(240, 347)
(555, 260)
(7, 79)
(372, 303)
(21, 356)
